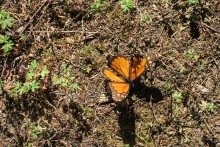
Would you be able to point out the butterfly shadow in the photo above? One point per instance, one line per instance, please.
(127, 116)
(147, 94)
(126, 121)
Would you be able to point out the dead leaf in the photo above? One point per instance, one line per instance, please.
(203, 89)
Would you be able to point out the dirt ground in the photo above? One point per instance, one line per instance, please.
(53, 92)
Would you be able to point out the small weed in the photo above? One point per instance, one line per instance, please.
(23, 37)
(87, 68)
(30, 86)
(32, 83)
(134, 97)
(1, 86)
(74, 86)
(37, 130)
(145, 17)
(69, 1)
(205, 106)
(66, 79)
(202, 67)
(186, 140)
(127, 145)
(193, 2)
(126, 5)
(167, 1)
(167, 88)
(191, 55)
(89, 112)
(177, 97)
(98, 5)
(7, 44)
(182, 69)
(5, 19)
(87, 51)
(47, 53)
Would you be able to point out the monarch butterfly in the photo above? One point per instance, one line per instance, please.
(122, 72)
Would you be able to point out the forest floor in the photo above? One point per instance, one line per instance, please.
(53, 92)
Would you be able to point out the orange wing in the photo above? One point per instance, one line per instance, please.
(138, 66)
(111, 75)
(121, 65)
(119, 90)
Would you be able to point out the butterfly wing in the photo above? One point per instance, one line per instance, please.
(118, 87)
(119, 90)
(111, 75)
(151, 57)
(121, 66)
(138, 66)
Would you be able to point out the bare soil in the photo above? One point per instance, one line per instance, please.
(57, 32)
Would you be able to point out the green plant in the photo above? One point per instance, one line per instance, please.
(167, 1)
(167, 88)
(74, 86)
(177, 97)
(30, 86)
(38, 129)
(193, 2)
(134, 97)
(17, 89)
(87, 68)
(98, 5)
(126, 5)
(69, 1)
(32, 83)
(146, 17)
(205, 106)
(202, 67)
(88, 51)
(127, 145)
(191, 55)
(1, 86)
(23, 37)
(7, 44)
(5, 19)
(66, 80)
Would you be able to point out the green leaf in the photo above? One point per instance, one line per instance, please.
(34, 85)
(2, 14)
(1, 84)
(74, 86)
(4, 39)
(26, 87)
(33, 65)
(177, 97)
(7, 47)
(4, 24)
(44, 71)
(64, 82)
(30, 75)
(17, 85)
(9, 21)
(192, 1)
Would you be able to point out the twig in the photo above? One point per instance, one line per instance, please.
(4, 67)
(208, 127)
(65, 32)
(211, 28)
(40, 8)
(151, 103)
